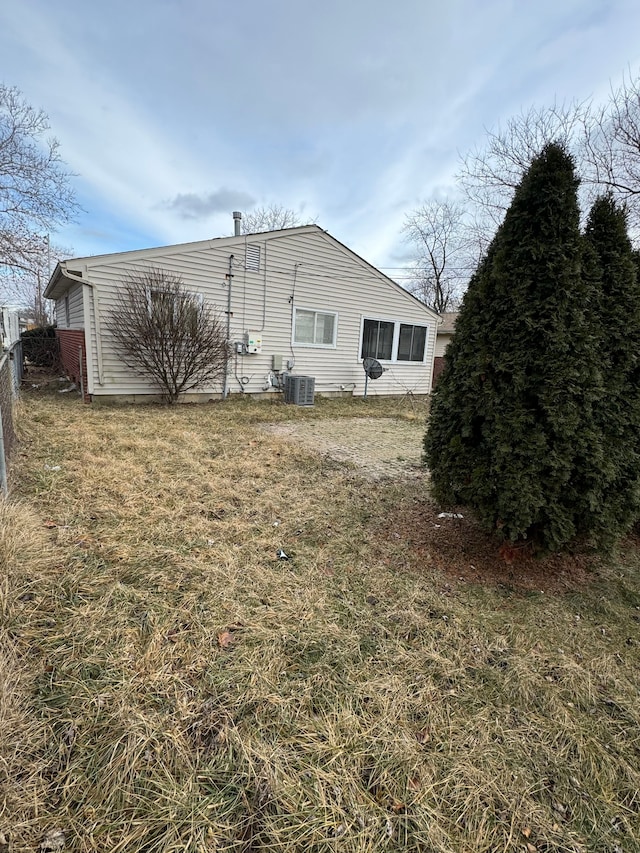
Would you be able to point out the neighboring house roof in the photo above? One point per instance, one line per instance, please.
(447, 327)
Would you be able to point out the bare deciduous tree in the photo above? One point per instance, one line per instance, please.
(24, 286)
(489, 175)
(616, 145)
(604, 143)
(445, 253)
(167, 334)
(271, 218)
(35, 194)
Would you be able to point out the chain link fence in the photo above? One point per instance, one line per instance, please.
(10, 379)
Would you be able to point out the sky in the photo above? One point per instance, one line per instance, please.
(173, 113)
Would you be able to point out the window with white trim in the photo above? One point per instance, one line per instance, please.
(389, 340)
(377, 339)
(168, 308)
(314, 328)
(411, 342)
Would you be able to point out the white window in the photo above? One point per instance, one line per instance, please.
(314, 328)
(67, 311)
(411, 342)
(388, 340)
(377, 339)
(168, 310)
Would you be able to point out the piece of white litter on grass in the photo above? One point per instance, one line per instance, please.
(54, 840)
(450, 515)
(52, 468)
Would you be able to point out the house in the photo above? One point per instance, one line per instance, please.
(444, 334)
(9, 327)
(300, 302)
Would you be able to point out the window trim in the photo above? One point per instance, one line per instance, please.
(151, 290)
(334, 314)
(394, 334)
(396, 339)
(412, 326)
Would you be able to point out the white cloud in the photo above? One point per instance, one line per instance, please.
(174, 114)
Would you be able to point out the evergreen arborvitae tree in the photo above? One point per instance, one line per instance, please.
(512, 431)
(612, 263)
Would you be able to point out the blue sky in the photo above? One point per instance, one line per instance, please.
(173, 113)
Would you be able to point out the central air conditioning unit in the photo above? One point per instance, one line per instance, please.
(299, 389)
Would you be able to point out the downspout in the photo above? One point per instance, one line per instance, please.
(96, 319)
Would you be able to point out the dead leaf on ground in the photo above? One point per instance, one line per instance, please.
(414, 783)
(225, 639)
(507, 552)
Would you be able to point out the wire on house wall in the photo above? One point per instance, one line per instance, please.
(292, 300)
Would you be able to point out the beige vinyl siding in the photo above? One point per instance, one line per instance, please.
(201, 273)
(76, 309)
(301, 268)
(442, 342)
(329, 278)
(61, 320)
(94, 383)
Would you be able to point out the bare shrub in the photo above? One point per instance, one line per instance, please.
(168, 334)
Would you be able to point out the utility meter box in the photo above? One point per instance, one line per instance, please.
(254, 342)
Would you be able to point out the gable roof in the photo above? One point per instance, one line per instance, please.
(59, 282)
(53, 289)
(448, 325)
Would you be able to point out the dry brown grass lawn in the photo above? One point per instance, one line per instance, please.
(168, 685)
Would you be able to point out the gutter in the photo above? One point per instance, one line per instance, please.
(96, 318)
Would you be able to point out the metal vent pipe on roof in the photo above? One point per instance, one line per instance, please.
(237, 216)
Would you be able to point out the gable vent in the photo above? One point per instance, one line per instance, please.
(252, 257)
